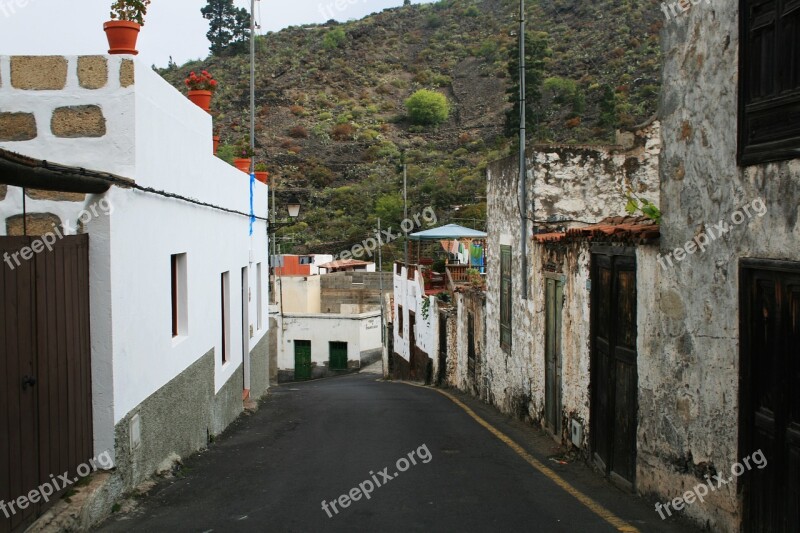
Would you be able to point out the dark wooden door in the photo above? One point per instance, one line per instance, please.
(554, 298)
(45, 388)
(338, 356)
(614, 373)
(770, 395)
(442, 350)
(302, 360)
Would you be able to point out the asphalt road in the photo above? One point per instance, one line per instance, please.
(317, 441)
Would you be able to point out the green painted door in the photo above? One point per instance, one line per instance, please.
(338, 357)
(302, 360)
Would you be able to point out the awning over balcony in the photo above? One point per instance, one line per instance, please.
(448, 232)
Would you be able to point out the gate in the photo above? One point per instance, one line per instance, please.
(45, 390)
(614, 376)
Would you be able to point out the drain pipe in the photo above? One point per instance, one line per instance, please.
(523, 171)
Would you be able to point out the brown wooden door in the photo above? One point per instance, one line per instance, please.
(45, 391)
(614, 379)
(770, 394)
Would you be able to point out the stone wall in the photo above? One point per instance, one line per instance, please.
(353, 292)
(689, 394)
(570, 185)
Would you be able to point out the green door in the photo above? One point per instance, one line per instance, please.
(338, 359)
(302, 360)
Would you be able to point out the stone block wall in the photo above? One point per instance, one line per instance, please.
(353, 292)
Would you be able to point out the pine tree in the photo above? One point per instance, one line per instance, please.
(228, 25)
(536, 50)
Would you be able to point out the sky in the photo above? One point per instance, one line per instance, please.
(172, 27)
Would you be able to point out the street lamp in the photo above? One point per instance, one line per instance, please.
(294, 207)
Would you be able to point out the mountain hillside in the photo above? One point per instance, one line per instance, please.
(331, 120)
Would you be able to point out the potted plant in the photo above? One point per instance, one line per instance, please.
(201, 89)
(244, 154)
(127, 18)
(261, 173)
(216, 143)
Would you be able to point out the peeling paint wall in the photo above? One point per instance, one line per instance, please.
(569, 184)
(462, 374)
(689, 394)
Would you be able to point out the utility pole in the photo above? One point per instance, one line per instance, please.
(380, 272)
(523, 171)
(405, 204)
(252, 81)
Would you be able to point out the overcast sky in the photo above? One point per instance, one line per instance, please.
(173, 27)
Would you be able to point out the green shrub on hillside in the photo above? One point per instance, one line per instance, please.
(334, 39)
(427, 107)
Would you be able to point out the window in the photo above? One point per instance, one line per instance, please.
(769, 79)
(180, 307)
(505, 297)
(259, 298)
(225, 308)
(400, 321)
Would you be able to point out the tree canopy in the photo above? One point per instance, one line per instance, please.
(229, 26)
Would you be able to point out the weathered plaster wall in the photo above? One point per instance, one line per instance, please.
(573, 262)
(689, 394)
(589, 183)
(462, 375)
(569, 184)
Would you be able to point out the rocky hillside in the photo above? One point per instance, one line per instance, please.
(331, 117)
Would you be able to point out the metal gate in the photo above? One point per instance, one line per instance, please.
(614, 376)
(45, 388)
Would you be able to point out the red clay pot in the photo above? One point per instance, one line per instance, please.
(216, 143)
(122, 35)
(262, 177)
(242, 164)
(201, 99)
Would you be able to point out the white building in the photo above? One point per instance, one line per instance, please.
(164, 316)
(328, 324)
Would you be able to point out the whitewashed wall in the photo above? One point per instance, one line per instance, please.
(156, 137)
(361, 332)
(410, 295)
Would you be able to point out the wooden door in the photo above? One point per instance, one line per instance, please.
(45, 354)
(338, 356)
(302, 360)
(614, 379)
(554, 298)
(770, 394)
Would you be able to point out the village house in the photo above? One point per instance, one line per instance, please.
(662, 352)
(327, 324)
(134, 295)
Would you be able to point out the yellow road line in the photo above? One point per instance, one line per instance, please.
(595, 507)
